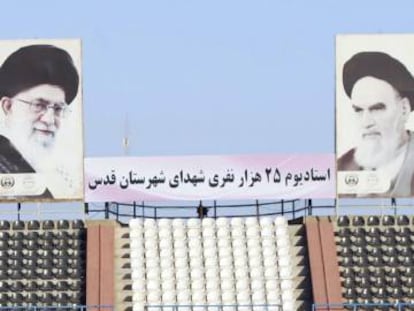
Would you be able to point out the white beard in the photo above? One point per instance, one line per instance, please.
(372, 155)
(40, 157)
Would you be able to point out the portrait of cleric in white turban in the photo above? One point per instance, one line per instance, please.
(41, 148)
(380, 94)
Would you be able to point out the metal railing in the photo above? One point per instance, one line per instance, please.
(400, 306)
(59, 308)
(212, 307)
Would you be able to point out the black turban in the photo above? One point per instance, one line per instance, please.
(33, 65)
(381, 66)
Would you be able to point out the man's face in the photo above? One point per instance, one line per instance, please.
(28, 123)
(380, 114)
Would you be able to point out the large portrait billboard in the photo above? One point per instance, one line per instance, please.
(235, 177)
(41, 138)
(374, 104)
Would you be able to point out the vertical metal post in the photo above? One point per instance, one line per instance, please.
(283, 207)
(19, 207)
(135, 209)
(257, 209)
(106, 210)
(215, 209)
(294, 209)
(117, 211)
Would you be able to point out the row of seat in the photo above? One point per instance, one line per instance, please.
(41, 285)
(242, 260)
(376, 258)
(39, 225)
(373, 220)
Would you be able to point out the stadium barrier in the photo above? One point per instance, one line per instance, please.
(59, 308)
(400, 306)
(212, 307)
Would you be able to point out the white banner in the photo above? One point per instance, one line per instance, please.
(128, 179)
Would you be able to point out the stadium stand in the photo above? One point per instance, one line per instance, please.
(42, 263)
(253, 263)
(376, 259)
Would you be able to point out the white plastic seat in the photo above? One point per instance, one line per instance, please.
(212, 284)
(266, 222)
(286, 284)
(280, 221)
(136, 244)
(237, 232)
(138, 285)
(251, 222)
(285, 272)
(271, 273)
(138, 273)
(269, 260)
(210, 243)
(137, 254)
(237, 222)
(222, 222)
(150, 223)
(153, 273)
(169, 297)
(197, 285)
(168, 274)
(257, 272)
(269, 251)
(153, 285)
(196, 261)
(137, 263)
(213, 297)
(194, 233)
(227, 284)
(267, 232)
(252, 232)
(242, 284)
(165, 233)
(193, 223)
(151, 244)
(212, 272)
(184, 296)
(138, 306)
(257, 285)
(197, 273)
(243, 297)
(164, 222)
(240, 273)
(211, 261)
(135, 222)
(138, 296)
(228, 297)
(136, 233)
(284, 261)
(226, 261)
(251, 243)
(272, 285)
(208, 222)
(195, 244)
(225, 252)
(154, 297)
(226, 273)
(240, 261)
(178, 223)
(282, 243)
(181, 262)
(223, 243)
(198, 297)
(179, 233)
(283, 251)
(223, 233)
(258, 297)
(239, 243)
(182, 285)
(208, 232)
